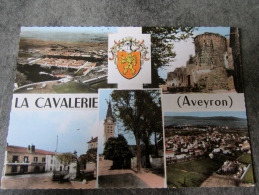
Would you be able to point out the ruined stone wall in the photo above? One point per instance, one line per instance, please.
(211, 50)
(207, 70)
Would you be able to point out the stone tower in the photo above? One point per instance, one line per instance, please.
(109, 124)
(210, 69)
(211, 51)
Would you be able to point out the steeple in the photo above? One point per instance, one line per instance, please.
(109, 111)
(109, 123)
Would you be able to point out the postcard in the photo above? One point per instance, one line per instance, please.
(128, 107)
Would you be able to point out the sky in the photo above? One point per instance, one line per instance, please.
(185, 48)
(239, 114)
(103, 106)
(70, 29)
(41, 128)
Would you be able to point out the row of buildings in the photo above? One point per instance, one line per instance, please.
(27, 160)
(62, 51)
(22, 160)
(180, 147)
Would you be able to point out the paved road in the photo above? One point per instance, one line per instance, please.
(125, 178)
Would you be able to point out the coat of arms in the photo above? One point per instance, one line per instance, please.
(129, 54)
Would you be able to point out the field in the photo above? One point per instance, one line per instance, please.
(102, 85)
(72, 87)
(245, 158)
(191, 173)
(249, 177)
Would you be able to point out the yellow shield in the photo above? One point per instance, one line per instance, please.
(128, 64)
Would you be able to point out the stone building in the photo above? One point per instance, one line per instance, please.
(211, 68)
(109, 131)
(20, 160)
(93, 143)
(109, 124)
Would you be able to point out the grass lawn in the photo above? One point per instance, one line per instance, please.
(191, 173)
(245, 158)
(103, 84)
(249, 176)
(80, 72)
(71, 87)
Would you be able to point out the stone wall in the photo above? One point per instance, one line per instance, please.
(210, 69)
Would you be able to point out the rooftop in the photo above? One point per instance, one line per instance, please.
(19, 149)
(93, 140)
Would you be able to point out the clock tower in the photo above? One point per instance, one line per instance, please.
(109, 124)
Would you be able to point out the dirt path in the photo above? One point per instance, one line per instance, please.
(41, 181)
(219, 181)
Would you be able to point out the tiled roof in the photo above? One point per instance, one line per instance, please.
(93, 140)
(19, 149)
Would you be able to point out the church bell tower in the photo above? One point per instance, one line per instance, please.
(109, 124)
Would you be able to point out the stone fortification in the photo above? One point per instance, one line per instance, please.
(210, 69)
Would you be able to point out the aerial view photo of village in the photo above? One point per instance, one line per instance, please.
(62, 60)
(51, 150)
(207, 149)
(130, 149)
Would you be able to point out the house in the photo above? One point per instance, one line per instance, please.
(245, 146)
(93, 143)
(19, 160)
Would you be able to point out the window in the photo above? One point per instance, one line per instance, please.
(26, 159)
(43, 159)
(24, 169)
(50, 168)
(14, 169)
(15, 159)
(35, 159)
(51, 161)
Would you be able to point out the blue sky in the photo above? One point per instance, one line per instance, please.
(41, 128)
(103, 106)
(185, 48)
(239, 114)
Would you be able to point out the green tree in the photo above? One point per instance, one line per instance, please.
(91, 155)
(21, 79)
(67, 158)
(117, 150)
(135, 110)
(162, 53)
(152, 125)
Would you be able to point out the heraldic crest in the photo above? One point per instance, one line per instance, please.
(129, 55)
